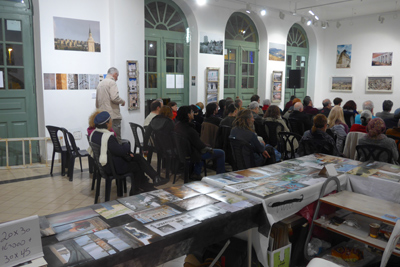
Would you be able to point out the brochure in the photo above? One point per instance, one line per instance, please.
(202, 187)
(226, 196)
(155, 214)
(195, 202)
(65, 253)
(135, 234)
(182, 191)
(71, 230)
(173, 224)
(265, 190)
(112, 209)
(140, 202)
(164, 196)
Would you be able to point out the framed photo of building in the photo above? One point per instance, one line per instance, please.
(341, 84)
(276, 86)
(132, 69)
(212, 84)
(379, 84)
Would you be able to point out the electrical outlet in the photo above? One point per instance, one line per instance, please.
(77, 135)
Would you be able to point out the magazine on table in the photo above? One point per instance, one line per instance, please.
(217, 181)
(135, 234)
(65, 253)
(206, 212)
(383, 166)
(202, 187)
(173, 224)
(195, 202)
(290, 176)
(155, 214)
(71, 216)
(253, 173)
(387, 176)
(227, 197)
(293, 186)
(111, 209)
(265, 190)
(182, 191)
(78, 228)
(101, 244)
(164, 196)
(344, 167)
(140, 202)
(306, 170)
(238, 188)
(363, 171)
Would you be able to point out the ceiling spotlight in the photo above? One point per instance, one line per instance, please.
(381, 19)
(303, 20)
(263, 12)
(201, 2)
(281, 15)
(248, 8)
(316, 17)
(309, 22)
(338, 24)
(324, 24)
(312, 13)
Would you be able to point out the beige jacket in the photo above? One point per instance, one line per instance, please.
(107, 97)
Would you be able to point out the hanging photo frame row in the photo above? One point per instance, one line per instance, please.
(133, 84)
(212, 84)
(373, 84)
(276, 86)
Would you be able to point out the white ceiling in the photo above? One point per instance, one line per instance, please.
(326, 10)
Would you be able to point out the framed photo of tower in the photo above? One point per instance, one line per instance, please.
(132, 69)
(276, 86)
(212, 84)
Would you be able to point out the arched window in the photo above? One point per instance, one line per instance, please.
(296, 59)
(241, 58)
(166, 52)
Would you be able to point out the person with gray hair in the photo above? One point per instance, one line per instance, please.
(387, 107)
(254, 109)
(367, 105)
(107, 99)
(308, 106)
(299, 115)
(266, 104)
(327, 106)
(365, 117)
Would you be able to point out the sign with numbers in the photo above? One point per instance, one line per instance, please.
(20, 241)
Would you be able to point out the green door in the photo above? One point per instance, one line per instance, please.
(296, 59)
(241, 58)
(17, 83)
(166, 52)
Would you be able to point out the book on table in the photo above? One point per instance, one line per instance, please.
(265, 190)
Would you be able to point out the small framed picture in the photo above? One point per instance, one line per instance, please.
(379, 84)
(341, 84)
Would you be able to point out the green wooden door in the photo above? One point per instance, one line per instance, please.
(166, 52)
(17, 83)
(241, 58)
(297, 59)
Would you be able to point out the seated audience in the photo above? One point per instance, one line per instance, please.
(211, 114)
(200, 151)
(92, 126)
(375, 136)
(200, 105)
(155, 107)
(254, 108)
(318, 133)
(232, 112)
(308, 106)
(289, 111)
(124, 160)
(349, 112)
(386, 107)
(367, 105)
(365, 117)
(161, 122)
(229, 101)
(395, 132)
(289, 104)
(266, 104)
(174, 107)
(327, 106)
(337, 101)
(243, 131)
(298, 114)
(257, 99)
(198, 119)
(392, 122)
(222, 106)
(338, 126)
(239, 102)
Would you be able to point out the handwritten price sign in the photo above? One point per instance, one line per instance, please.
(20, 241)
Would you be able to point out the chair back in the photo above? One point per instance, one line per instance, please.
(209, 133)
(352, 139)
(373, 152)
(287, 122)
(272, 129)
(261, 131)
(53, 131)
(164, 143)
(288, 140)
(70, 142)
(242, 153)
(183, 147)
(224, 144)
(317, 146)
(135, 131)
(296, 126)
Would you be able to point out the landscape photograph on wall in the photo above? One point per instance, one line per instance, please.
(76, 34)
(276, 52)
(342, 84)
(382, 59)
(343, 56)
(381, 84)
(211, 44)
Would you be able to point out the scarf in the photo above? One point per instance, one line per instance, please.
(103, 148)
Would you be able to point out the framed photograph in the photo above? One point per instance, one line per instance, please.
(341, 84)
(276, 86)
(132, 69)
(343, 56)
(277, 76)
(212, 84)
(211, 43)
(382, 59)
(379, 84)
(276, 52)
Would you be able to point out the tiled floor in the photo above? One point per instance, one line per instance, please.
(29, 191)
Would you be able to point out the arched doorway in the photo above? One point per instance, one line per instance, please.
(166, 52)
(296, 59)
(241, 58)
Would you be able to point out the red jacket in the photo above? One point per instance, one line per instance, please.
(358, 128)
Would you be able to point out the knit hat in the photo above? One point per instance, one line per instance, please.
(102, 118)
(375, 128)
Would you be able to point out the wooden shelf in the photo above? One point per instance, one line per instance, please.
(365, 205)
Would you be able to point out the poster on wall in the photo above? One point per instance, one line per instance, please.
(211, 44)
(342, 84)
(382, 59)
(49, 80)
(379, 84)
(61, 81)
(343, 56)
(276, 86)
(76, 34)
(276, 52)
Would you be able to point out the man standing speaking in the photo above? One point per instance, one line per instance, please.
(107, 99)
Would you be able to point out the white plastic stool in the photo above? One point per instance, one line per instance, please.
(318, 262)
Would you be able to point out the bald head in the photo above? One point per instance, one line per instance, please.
(327, 103)
(298, 106)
